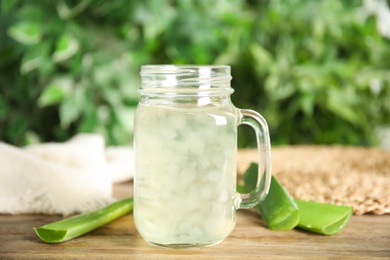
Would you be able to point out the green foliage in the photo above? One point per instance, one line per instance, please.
(316, 70)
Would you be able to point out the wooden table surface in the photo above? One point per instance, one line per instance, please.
(366, 236)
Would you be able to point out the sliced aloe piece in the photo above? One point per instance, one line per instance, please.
(278, 209)
(78, 225)
(326, 219)
(281, 212)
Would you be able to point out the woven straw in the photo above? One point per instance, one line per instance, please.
(354, 176)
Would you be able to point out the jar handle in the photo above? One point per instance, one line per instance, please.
(258, 123)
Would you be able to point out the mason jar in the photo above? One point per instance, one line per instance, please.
(185, 144)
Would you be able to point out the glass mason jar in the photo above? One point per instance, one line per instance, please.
(185, 143)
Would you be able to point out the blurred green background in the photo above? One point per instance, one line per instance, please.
(318, 71)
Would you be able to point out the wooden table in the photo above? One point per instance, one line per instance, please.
(365, 236)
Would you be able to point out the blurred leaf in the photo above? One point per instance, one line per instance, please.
(35, 58)
(155, 17)
(26, 32)
(126, 117)
(317, 70)
(261, 56)
(307, 104)
(4, 109)
(66, 13)
(31, 138)
(69, 112)
(18, 127)
(59, 88)
(337, 103)
(52, 94)
(31, 61)
(7, 6)
(66, 47)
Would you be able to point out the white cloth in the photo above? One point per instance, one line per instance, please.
(61, 178)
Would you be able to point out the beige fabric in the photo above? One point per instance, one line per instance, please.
(61, 178)
(87, 152)
(355, 176)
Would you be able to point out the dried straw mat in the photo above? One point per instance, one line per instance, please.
(355, 176)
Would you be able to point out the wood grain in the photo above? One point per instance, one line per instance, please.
(366, 236)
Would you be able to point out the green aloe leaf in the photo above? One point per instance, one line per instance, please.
(278, 209)
(78, 225)
(322, 218)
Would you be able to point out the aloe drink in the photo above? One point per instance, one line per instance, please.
(185, 174)
(185, 143)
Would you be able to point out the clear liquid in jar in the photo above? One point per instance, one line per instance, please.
(185, 174)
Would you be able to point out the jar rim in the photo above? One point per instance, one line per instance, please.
(203, 71)
(186, 79)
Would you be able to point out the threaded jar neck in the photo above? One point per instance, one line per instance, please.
(186, 80)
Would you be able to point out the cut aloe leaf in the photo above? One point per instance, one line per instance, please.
(78, 225)
(326, 219)
(281, 212)
(278, 209)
